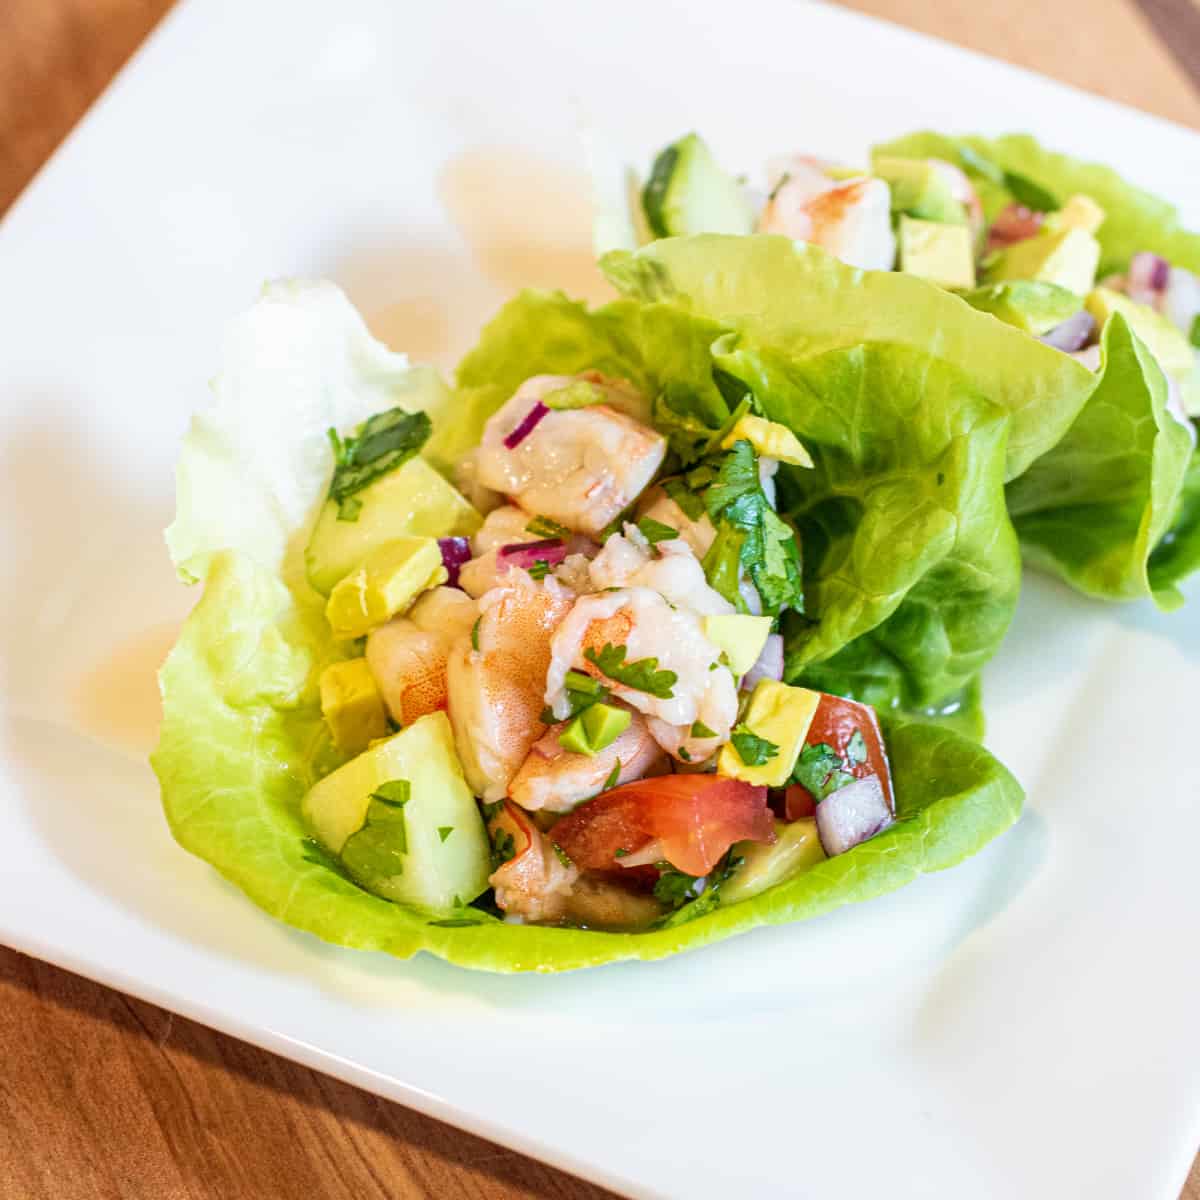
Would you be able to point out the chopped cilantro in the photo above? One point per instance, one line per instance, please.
(1022, 189)
(504, 847)
(700, 730)
(381, 444)
(313, 852)
(616, 524)
(378, 848)
(821, 770)
(753, 750)
(621, 852)
(491, 810)
(642, 675)
(455, 922)
(475, 633)
(562, 856)
(696, 901)
(613, 777)
(540, 569)
(685, 754)
(656, 531)
(582, 692)
(444, 831)
(676, 888)
(723, 564)
(544, 527)
(691, 505)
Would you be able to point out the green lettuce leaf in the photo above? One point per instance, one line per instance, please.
(1177, 555)
(242, 735)
(243, 739)
(1093, 508)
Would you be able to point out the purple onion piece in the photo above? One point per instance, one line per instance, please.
(1072, 334)
(769, 664)
(528, 424)
(852, 814)
(455, 552)
(1148, 277)
(551, 551)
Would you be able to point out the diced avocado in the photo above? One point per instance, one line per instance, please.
(1163, 339)
(797, 847)
(404, 855)
(781, 714)
(413, 499)
(739, 636)
(351, 705)
(769, 439)
(941, 253)
(1068, 258)
(1031, 305)
(919, 190)
(594, 729)
(687, 193)
(390, 578)
(1079, 212)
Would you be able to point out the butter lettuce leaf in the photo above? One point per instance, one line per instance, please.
(242, 737)
(1094, 507)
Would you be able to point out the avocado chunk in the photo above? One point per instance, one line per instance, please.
(919, 190)
(386, 812)
(413, 499)
(594, 729)
(1031, 305)
(739, 637)
(352, 706)
(941, 253)
(390, 578)
(687, 193)
(797, 847)
(1079, 212)
(1068, 258)
(769, 439)
(1163, 339)
(781, 714)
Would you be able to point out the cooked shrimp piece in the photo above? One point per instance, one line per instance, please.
(671, 569)
(647, 626)
(581, 467)
(407, 656)
(699, 533)
(533, 883)
(509, 526)
(557, 780)
(496, 677)
(852, 219)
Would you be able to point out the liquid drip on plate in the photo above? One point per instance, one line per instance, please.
(117, 702)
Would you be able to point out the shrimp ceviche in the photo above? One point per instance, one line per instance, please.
(591, 681)
(667, 618)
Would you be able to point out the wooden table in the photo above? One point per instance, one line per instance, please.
(106, 1098)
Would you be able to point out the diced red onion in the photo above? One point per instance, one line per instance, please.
(1073, 333)
(455, 552)
(1014, 223)
(551, 551)
(769, 664)
(1181, 300)
(852, 814)
(528, 424)
(1148, 277)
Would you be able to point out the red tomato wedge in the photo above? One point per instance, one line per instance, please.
(835, 722)
(693, 818)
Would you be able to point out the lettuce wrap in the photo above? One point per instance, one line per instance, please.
(243, 737)
(1107, 509)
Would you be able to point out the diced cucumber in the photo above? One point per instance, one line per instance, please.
(687, 193)
(424, 845)
(413, 499)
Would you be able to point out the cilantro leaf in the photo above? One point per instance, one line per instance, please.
(753, 750)
(723, 564)
(656, 531)
(475, 633)
(562, 856)
(821, 770)
(381, 444)
(642, 675)
(1023, 190)
(700, 730)
(544, 527)
(691, 504)
(444, 831)
(540, 569)
(377, 849)
(613, 777)
(676, 887)
(582, 692)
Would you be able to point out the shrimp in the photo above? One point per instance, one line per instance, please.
(581, 467)
(557, 780)
(648, 626)
(851, 219)
(507, 526)
(673, 571)
(699, 533)
(496, 675)
(535, 884)
(407, 656)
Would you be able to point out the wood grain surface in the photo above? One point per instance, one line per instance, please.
(103, 1097)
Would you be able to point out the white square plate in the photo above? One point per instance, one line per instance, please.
(1024, 1025)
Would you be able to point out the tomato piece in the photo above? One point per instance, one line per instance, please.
(694, 819)
(834, 723)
